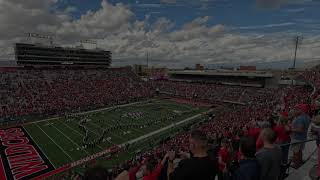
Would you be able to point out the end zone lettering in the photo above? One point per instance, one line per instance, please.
(20, 157)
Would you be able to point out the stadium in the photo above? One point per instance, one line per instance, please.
(122, 118)
(61, 119)
(161, 95)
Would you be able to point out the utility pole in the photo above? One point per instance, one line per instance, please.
(298, 38)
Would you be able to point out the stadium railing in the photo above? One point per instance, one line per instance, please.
(308, 152)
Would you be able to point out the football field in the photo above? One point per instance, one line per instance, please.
(65, 140)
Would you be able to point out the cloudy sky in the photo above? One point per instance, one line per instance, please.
(176, 33)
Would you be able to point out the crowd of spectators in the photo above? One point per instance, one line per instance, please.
(202, 91)
(312, 76)
(245, 152)
(222, 80)
(238, 138)
(54, 91)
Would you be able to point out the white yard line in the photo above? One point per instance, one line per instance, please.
(97, 155)
(123, 144)
(79, 146)
(99, 135)
(55, 143)
(162, 129)
(93, 132)
(81, 135)
(87, 112)
(103, 129)
(43, 152)
(137, 130)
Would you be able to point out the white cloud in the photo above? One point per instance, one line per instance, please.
(70, 9)
(162, 25)
(20, 17)
(267, 26)
(109, 19)
(148, 5)
(116, 29)
(168, 1)
(275, 4)
(297, 10)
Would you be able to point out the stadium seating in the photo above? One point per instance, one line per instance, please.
(262, 105)
(211, 92)
(48, 91)
(313, 76)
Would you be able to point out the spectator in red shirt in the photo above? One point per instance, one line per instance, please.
(224, 158)
(151, 173)
(284, 114)
(132, 173)
(227, 133)
(254, 131)
(129, 174)
(283, 137)
(259, 144)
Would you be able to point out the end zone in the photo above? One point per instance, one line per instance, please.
(20, 157)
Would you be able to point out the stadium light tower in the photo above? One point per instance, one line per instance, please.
(297, 41)
(41, 36)
(150, 43)
(88, 41)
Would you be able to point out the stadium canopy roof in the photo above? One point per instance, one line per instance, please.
(260, 74)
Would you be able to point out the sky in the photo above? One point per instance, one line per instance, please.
(174, 33)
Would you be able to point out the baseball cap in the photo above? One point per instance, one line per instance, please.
(302, 107)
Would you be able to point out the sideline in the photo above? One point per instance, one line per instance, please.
(163, 129)
(85, 112)
(99, 154)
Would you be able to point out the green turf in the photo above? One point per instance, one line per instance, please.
(61, 140)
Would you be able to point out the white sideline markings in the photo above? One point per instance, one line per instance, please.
(99, 154)
(69, 138)
(123, 144)
(55, 143)
(43, 152)
(162, 129)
